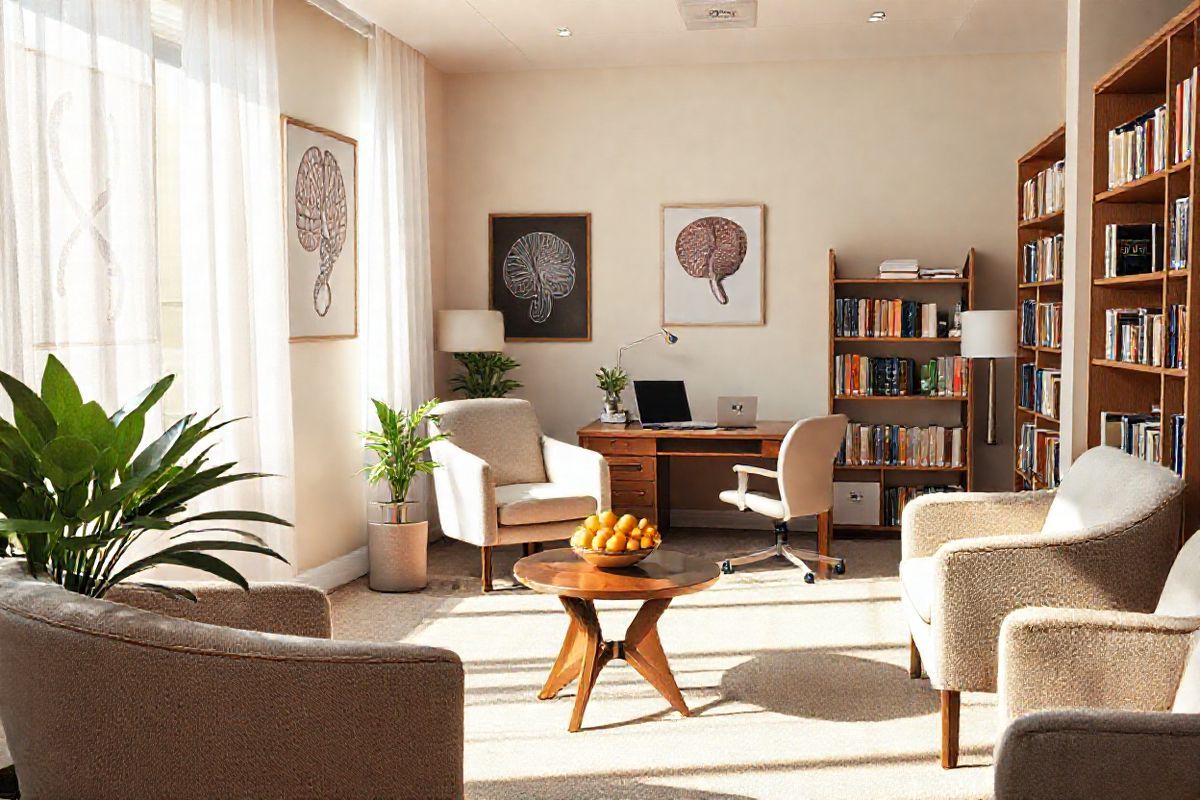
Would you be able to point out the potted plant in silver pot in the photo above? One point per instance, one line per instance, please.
(396, 546)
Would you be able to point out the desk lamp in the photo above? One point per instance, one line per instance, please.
(613, 413)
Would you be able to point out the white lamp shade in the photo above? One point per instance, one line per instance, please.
(989, 334)
(470, 331)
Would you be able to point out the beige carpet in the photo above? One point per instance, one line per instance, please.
(798, 691)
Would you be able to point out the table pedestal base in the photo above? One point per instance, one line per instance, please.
(585, 652)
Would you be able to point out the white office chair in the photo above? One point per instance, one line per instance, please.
(805, 478)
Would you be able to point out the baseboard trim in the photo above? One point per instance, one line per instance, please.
(338, 572)
(745, 520)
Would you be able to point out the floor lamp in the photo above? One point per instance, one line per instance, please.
(990, 335)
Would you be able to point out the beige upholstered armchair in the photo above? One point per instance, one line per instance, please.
(503, 482)
(1104, 703)
(1104, 540)
(105, 701)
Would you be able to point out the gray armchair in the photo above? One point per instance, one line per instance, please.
(102, 700)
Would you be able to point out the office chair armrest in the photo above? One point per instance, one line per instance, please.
(746, 469)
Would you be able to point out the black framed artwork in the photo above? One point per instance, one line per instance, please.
(540, 275)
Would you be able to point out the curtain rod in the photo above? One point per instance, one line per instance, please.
(350, 19)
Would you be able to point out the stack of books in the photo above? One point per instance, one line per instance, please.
(1038, 454)
(871, 317)
(936, 273)
(1028, 322)
(1045, 193)
(1131, 250)
(896, 497)
(1181, 224)
(1041, 389)
(945, 376)
(870, 444)
(1138, 148)
(900, 269)
(857, 375)
(1137, 434)
(1041, 324)
(1185, 109)
(1146, 336)
(1043, 260)
(1178, 443)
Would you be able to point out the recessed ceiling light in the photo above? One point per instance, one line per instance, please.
(564, 32)
(878, 16)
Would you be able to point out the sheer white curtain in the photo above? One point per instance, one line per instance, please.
(235, 326)
(396, 295)
(77, 225)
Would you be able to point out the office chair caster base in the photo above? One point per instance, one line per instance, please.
(726, 567)
(840, 567)
(810, 578)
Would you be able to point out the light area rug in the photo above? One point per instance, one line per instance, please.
(798, 691)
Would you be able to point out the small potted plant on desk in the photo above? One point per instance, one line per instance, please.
(613, 380)
(396, 547)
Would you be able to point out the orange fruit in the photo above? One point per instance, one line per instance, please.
(633, 544)
(626, 523)
(592, 523)
(580, 537)
(608, 519)
(615, 544)
(646, 543)
(650, 530)
(643, 522)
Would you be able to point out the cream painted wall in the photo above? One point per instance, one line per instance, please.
(880, 158)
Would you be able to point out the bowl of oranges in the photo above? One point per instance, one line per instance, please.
(606, 540)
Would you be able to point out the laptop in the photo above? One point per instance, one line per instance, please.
(663, 405)
(737, 412)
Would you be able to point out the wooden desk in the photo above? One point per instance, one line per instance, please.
(639, 458)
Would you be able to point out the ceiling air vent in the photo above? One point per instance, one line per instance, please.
(707, 15)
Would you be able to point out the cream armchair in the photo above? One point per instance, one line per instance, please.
(502, 482)
(1104, 540)
(241, 696)
(1104, 703)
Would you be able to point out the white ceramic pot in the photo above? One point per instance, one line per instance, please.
(397, 552)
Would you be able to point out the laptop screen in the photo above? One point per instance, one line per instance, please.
(662, 401)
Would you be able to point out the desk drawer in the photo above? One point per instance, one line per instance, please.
(631, 468)
(632, 494)
(620, 445)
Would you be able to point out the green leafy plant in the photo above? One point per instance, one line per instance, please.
(613, 381)
(483, 375)
(401, 446)
(76, 493)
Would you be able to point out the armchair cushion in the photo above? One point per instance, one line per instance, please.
(1106, 487)
(916, 579)
(294, 609)
(503, 432)
(532, 503)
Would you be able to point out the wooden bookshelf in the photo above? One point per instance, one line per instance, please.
(1140, 83)
(909, 410)
(1045, 154)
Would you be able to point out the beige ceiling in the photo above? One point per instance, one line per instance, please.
(503, 35)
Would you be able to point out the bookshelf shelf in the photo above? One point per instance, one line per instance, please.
(1147, 79)
(1044, 156)
(911, 410)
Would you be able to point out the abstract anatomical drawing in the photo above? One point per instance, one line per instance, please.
(540, 274)
(713, 264)
(321, 192)
(321, 217)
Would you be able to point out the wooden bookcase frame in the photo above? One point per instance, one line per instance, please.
(1140, 83)
(882, 409)
(1044, 155)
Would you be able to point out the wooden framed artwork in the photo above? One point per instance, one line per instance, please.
(540, 275)
(321, 202)
(714, 264)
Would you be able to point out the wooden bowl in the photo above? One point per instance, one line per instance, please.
(602, 559)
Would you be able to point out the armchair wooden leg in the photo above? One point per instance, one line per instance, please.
(914, 659)
(950, 708)
(485, 572)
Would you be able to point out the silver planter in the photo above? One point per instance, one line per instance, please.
(397, 550)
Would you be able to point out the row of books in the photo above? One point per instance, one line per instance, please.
(870, 444)
(1044, 193)
(857, 375)
(1185, 110)
(1041, 389)
(1146, 336)
(1133, 249)
(1038, 454)
(1181, 225)
(1041, 324)
(1138, 148)
(895, 498)
(874, 317)
(1043, 259)
(1141, 435)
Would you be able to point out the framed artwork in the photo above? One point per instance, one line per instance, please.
(540, 275)
(714, 264)
(321, 202)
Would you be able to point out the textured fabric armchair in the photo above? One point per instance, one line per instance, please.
(1104, 540)
(503, 482)
(103, 701)
(1104, 703)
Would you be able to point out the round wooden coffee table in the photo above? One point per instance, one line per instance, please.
(656, 580)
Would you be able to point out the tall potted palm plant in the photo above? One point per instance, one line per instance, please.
(396, 547)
